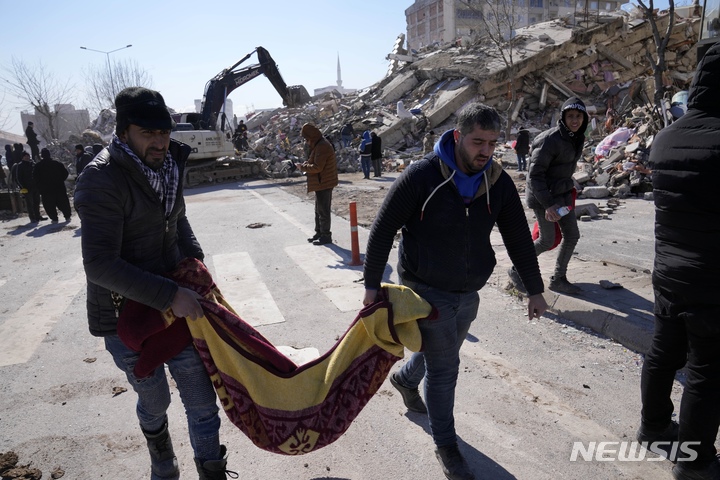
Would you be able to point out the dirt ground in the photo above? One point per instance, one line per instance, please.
(368, 194)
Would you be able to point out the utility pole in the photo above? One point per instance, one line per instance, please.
(112, 83)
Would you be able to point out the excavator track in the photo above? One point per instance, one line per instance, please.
(222, 170)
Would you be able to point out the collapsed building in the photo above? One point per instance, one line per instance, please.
(604, 62)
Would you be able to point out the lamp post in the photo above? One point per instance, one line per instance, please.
(112, 83)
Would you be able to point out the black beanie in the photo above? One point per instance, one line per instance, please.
(45, 154)
(142, 107)
(79, 147)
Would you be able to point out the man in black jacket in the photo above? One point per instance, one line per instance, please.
(685, 160)
(50, 178)
(376, 154)
(447, 205)
(32, 141)
(134, 229)
(28, 187)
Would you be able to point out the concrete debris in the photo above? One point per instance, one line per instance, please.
(602, 62)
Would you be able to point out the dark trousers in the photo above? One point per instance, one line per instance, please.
(377, 167)
(685, 335)
(32, 202)
(35, 152)
(323, 202)
(56, 200)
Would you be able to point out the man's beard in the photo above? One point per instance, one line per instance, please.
(467, 162)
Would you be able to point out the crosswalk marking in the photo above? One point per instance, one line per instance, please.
(339, 282)
(243, 288)
(21, 334)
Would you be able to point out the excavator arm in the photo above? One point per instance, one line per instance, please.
(220, 86)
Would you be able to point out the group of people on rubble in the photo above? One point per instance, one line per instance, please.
(451, 198)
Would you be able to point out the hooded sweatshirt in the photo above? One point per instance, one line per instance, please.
(555, 154)
(366, 143)
(685, 160)
(445, 240)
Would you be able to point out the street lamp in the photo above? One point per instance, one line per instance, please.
(112, 83)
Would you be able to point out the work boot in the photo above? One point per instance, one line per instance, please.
(323, 240)
(668, 433)
(561, 285)
(313, 238)
(215, 469)
(453, 464)
(516, 280)
(682, 471)
(411, 396)
(163, 463)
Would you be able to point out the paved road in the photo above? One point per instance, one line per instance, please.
(527, 390)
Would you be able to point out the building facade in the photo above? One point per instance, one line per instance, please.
(432, 22)
(67, 121)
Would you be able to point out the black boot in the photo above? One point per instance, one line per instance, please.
(163, 463)
(215, 469)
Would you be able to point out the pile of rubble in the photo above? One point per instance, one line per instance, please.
(603, 63)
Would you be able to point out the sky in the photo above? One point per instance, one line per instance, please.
(182, 44)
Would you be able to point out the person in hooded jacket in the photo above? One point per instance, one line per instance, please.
(550, 185)
(522, 148)
(50, 178)
(322, 177)
(685, 159)
(376, 154)
(366, 153)
(447, 204)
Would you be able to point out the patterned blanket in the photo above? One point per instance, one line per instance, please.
(282, 407)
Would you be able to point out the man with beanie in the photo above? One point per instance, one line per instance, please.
(447, 205)
(134, 229)
(685, 159)
(549, 190)
(322, 177)
(50, 178)
(82, 158)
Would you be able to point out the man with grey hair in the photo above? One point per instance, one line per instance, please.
(447, 205)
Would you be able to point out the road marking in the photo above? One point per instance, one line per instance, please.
(243, 288)
(301, 226)
(339, 282)
(22, 333)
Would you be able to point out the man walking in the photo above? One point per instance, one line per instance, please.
(28, 187)
(447, 205)
(50, 178)
(134, 229)
(376, 154)
(685, 160)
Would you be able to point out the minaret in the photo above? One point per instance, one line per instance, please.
(339, 79)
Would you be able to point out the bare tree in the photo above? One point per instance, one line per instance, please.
(4, 113)
(36, 87)
(500, 19)
(661, 41)
(103, 84)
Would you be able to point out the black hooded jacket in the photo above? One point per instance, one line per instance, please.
(685, 160)
(127, 241)
(554, 159)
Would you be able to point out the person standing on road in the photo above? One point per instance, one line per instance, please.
(366, 153)
(347, 133)
(83, 156)
(32, 141)
(376, 154)
(26, 181)
(134, 229)
(549, 191)
(321, 170)
(447, 205)
(49, 176)
(522, 148)
(685, 159)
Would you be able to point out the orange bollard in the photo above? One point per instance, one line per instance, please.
(354, 235)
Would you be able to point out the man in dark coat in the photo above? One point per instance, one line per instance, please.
(376, 154)
(522, 148)
(26, 183)
(50, 178)
(549, 190)
(32, 141)
(685, 160)
(135, 230)
(82, 158)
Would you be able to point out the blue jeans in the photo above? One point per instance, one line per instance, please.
(365, 165)
(522, 163)
(439, 361)
(346, 140)
(196, 392)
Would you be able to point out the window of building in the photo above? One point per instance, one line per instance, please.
(536, 3)
(594, 5)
